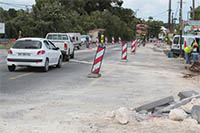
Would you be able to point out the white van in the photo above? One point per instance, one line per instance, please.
(186, 41)
(64, 42)
(76, 39)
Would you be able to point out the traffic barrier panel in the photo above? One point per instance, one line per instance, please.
(133, 47)
(106, 41)
(158, 43)
(124, 51)
(113, 40)
(97, 42)
(90, 46)
(97, 62)
(120, 40)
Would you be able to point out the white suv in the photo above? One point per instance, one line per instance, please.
(34, 52)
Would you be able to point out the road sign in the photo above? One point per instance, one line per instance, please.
(2, 28)
(191, 27)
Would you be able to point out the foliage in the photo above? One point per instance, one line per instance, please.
(74, 16)
(197, 13)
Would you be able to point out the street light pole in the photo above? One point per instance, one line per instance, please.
(181, 26)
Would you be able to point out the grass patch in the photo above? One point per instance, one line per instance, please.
(7, 46)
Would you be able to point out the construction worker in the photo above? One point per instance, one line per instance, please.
(102, 38)
(188, 52)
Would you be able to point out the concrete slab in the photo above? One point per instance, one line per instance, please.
(94, 75)
(152, 105)
(186, 94)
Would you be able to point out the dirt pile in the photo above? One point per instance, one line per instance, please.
(195, 67)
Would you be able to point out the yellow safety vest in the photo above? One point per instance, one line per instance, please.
(188, 49)
(102, 38)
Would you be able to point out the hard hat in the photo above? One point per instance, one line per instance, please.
(195, 44)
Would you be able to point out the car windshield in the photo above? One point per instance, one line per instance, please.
(27, 44)
(57, 37)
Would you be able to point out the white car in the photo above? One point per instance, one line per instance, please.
(34, 52)
(64, 42)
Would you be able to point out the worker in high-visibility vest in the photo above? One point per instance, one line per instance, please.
(188, 52)
(102, 38)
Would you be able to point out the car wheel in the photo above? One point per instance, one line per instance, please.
(46, 66)
(59, 65)
(72, 55)
(11, 68)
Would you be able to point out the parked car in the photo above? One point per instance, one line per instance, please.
(76, 39)
(186, 40)
(34, 52)
(64, 42)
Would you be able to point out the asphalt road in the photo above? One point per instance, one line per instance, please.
(73, 73)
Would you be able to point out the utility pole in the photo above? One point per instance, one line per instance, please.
(172, 26)
(181, 26)
(193, 9)
(169, 15)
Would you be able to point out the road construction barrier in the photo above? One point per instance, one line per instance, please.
(97, 62)
(90, 46)
(133, 47)
(158, 44)
(106, 41)
(139, 43)
(120, 40)
(124, 51)
(113, 40)
(97, 42)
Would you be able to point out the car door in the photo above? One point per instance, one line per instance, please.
(55, 53)
(49, 52)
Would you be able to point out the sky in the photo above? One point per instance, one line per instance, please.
(145, 8)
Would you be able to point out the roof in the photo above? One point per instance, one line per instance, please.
(31, 38)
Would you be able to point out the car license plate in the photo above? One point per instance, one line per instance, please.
(24, 54)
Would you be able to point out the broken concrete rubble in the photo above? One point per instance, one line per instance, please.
(141, 116)
(188, 107)
(122, 115)
(195, 67)
(176, 105)
(186, 94)
(186, 110)
(196, 113)
(177, 115)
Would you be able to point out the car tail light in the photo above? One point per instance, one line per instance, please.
(185, 44)
(41, 52)
(65, 46)
(10, 52)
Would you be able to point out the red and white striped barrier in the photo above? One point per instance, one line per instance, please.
(133, 47)
(120, 40)
(97, 42)
(124, 51)
(97, 62)
(113, 40)
(106, 41)
(158, 43)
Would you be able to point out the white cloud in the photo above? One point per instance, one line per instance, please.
(156, 7)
